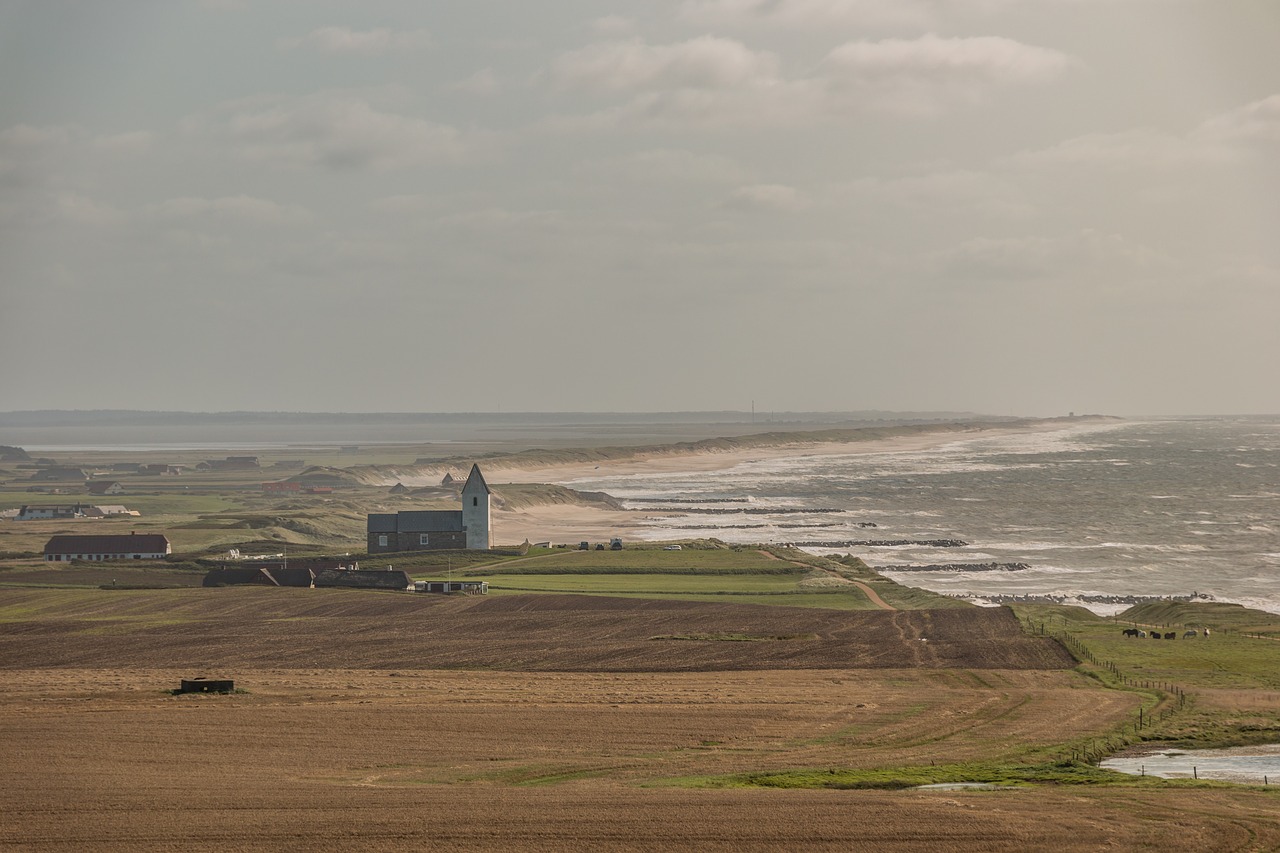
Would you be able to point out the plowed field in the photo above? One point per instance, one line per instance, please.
(266, 627)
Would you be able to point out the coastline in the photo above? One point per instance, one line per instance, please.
(574, 523)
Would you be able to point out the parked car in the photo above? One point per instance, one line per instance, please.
(584, 546)
(672, 548)
(615, 544)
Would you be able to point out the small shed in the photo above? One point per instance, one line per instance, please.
(447, 586)
(207, 685)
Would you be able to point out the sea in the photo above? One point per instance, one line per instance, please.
(1103, 514)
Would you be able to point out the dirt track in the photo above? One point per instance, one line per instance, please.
(267, 627)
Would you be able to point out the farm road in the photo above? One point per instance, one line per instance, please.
(871, 594)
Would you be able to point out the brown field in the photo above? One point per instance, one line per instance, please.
(354, 733)
(260, 627)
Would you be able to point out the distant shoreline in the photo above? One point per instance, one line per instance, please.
(569, 522)
(561, 466)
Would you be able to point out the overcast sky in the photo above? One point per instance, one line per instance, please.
(1010, 206)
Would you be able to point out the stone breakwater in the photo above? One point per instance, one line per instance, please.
(749, 510)
(959, 567)
(686, 500)
(1088, 599)
(884, 543)
(810, 526)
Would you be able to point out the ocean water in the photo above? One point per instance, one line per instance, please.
(1098, 514)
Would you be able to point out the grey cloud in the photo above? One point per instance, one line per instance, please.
(706, 62)
(344, 40)
(664, 166)
(612, 26)
(773, 197)
(342, 132)
(484, 82)
(64, 207)
(988, 59)
(133, 142)
(944, 193)
(711, 81)
(1028, 258)
(807, 14)
(1255, 122)
(926, 75)
(1141, 148)
(244, 209)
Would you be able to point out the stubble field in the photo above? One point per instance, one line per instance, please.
(433, 748)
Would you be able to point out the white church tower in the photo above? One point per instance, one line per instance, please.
(475, 511)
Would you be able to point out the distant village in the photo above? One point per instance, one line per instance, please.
(468, 527)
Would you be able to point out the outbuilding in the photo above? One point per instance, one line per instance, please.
(134, 546)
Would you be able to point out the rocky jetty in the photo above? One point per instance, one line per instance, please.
(959, 567)
(748, 510)
(885, 543)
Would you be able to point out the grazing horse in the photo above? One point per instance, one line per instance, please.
(1142, 634)
(1155, 635)
(1172, 635)
(1130, 632)
(1190, 635)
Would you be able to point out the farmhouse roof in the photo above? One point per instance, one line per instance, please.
(476, 479)
(60, 472)
(134, 543)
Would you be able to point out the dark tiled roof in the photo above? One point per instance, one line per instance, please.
(430, 521)
(135, 543)
(417, 521)
(382, 522)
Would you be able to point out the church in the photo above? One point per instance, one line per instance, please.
(435, 530)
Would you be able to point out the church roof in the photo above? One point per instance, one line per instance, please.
(476, 479)
(429, 521)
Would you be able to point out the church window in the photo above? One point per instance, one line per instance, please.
(422, 539)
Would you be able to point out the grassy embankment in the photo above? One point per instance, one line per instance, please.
(704, 570)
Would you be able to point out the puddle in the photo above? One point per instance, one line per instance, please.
(1252, 764)
(959, 786)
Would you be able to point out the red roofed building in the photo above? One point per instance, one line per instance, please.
(134, 546)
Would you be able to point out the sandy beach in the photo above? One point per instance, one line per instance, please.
(574, 523)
